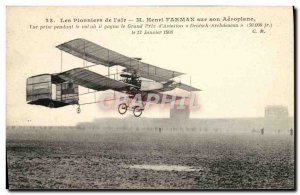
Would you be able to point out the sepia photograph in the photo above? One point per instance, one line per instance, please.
(150, 98)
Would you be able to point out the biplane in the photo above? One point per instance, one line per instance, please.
(136, 77)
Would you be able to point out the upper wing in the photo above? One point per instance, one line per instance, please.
(97, 54)
(92, 80)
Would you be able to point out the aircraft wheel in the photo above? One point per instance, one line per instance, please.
(122, 108)
(51, 105)
(78, 110)
(137, 111)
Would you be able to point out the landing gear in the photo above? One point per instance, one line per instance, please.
(122, 108)
(78, 110)
(51, 105)
(137, 111)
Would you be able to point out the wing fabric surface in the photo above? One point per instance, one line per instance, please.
(92, 80)
(97, 54)
(187, 87)
(169, 87)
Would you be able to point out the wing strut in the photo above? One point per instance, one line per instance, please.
(61, 63)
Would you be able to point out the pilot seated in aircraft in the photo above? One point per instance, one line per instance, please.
(135, 79)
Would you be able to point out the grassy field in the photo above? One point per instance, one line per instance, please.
(86, 159)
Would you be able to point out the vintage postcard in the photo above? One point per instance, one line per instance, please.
(151, 98)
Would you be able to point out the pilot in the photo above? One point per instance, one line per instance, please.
(134, 78)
